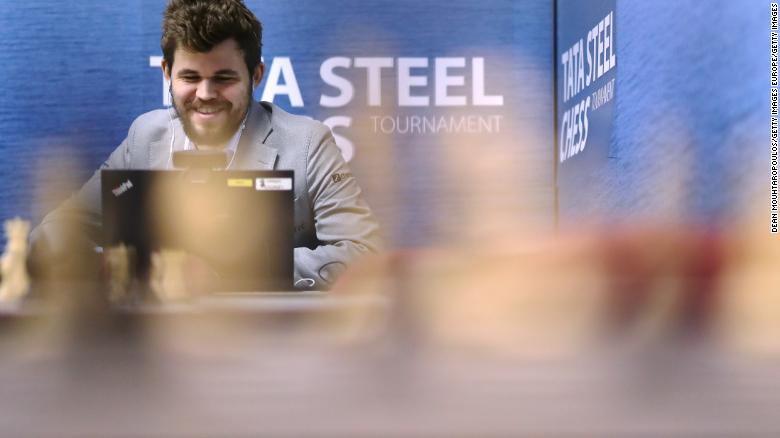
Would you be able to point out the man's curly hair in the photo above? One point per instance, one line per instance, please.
(199, 25)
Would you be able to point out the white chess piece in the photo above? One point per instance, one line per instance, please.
(118, 262)
(167, 276)
(13, 264)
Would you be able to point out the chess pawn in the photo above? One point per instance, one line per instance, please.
(167, 275)
(118, 262)
(13, 264)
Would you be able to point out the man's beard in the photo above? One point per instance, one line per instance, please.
(218, 135)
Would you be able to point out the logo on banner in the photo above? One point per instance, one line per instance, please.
(587, 84)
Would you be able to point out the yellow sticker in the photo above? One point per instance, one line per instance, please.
(240, 182)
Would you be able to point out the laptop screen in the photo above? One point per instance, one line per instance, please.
(239, 223)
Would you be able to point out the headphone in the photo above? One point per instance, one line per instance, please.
(170, 126)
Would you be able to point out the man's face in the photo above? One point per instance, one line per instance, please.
(211, 91)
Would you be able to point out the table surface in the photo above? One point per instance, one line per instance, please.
(315, 364)
(280, 301)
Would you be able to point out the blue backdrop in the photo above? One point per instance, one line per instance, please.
(687, 142)
(74, 74)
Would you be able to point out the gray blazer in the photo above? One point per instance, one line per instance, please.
(333, 225)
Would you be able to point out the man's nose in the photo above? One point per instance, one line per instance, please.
(205, 90)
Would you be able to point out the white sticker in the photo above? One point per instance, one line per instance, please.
(273, 183)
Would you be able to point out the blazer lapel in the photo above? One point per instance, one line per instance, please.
(252, 152)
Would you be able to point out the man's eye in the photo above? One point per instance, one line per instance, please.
(190, 78)
(224, 79)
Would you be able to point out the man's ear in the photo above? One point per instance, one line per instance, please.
(166, 70)
(258, 76)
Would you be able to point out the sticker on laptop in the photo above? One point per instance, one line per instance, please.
(239, 182)
(273, 183)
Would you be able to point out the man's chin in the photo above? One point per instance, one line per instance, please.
(205, 132)
(208, 130)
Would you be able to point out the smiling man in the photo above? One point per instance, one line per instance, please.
(211, 92)
(211, 55)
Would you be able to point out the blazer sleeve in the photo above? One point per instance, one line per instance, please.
(344, 224)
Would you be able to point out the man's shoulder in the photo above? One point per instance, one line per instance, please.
(151, 125)
(288, 124)
(153, 119)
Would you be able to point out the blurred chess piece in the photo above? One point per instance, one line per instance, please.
(118, 261)
(749, 311)
(167, 278)
(15, 280)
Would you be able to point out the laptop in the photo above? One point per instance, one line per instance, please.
(239, 223)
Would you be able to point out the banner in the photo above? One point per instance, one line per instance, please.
(586, 64)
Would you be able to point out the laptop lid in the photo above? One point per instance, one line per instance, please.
(238, 222)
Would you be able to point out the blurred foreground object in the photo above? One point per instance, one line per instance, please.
(554, 296)
(749, 317)
(616, 332)
(119, 264)
(15, 281)
(167, 275)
